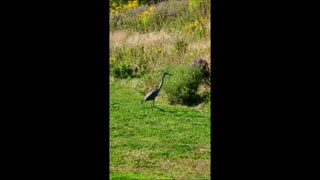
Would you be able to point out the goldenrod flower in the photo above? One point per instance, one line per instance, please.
(135, 3)
(131, 4)
(112, 11)
(145, 12)
(151, 8)
(197, 25)
(202, 20)
(111, 59)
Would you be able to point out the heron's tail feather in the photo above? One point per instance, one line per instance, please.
(142, 101)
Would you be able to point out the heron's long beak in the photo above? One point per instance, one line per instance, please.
(170, 74)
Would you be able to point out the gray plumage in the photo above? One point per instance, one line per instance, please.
(154, 93)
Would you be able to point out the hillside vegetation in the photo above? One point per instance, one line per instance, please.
(147, 39)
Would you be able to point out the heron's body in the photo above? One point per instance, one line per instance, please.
(153, 94)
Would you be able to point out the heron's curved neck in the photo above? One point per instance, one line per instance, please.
(161, 82)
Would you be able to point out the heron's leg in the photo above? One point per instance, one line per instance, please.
(152, 104)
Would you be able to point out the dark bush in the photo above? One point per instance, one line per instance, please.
(205, 69)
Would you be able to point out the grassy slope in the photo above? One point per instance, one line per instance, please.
(145, 144)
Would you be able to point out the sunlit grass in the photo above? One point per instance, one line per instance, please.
(170, 144)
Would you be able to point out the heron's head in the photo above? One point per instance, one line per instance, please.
(167, 74)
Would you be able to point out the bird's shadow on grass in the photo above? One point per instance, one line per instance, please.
(177, 112)
(170, 111)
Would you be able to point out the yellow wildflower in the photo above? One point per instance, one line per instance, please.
(118, 8)
(112, 11)
(131, 4)
(111, 59)
(135, 3)
(151, 8)
(145, 12)
(202, 20)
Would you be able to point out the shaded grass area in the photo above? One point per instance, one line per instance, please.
(145, 144)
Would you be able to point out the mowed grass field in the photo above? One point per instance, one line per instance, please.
(145, 144)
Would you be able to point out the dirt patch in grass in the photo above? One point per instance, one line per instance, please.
(183, 168)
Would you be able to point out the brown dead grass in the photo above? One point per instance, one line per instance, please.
(122, 38)
(175, 169)
(185, 168)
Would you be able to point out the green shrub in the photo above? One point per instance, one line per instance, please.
(180, 46)
(183, 86)
(128, 62)
(122, 70)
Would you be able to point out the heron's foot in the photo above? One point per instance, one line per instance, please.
(158, 108)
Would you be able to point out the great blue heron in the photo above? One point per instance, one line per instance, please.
(153, 94)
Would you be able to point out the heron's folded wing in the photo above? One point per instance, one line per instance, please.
(151, 94)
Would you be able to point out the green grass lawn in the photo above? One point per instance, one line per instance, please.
(145, 144)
